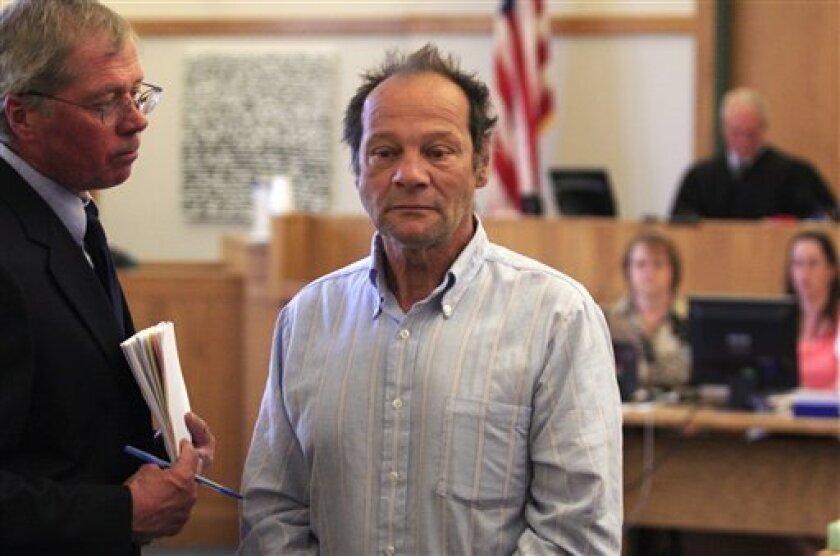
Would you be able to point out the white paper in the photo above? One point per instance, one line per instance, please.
(152, 354)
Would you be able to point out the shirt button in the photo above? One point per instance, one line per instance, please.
(404, 333)
(447, 310)
(394, 476)
(397, 403)
(390, 549)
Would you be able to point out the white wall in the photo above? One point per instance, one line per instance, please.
(383, 8)
(625, 102)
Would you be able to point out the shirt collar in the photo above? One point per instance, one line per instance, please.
(68, 206)
(735, 162)
(454, 284)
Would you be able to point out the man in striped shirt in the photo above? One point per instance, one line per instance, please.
(444, 395)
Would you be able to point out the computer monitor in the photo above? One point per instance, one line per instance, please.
(583, 191)
(626, 369)
(747, 344)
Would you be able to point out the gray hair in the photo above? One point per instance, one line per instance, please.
(37, 38)
(746, 97)
(427, 59)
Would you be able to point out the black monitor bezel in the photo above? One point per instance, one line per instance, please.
(560, 178)
(727, 369)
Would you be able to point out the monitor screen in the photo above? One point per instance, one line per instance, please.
(583, 192)
(626, 369)
(736, 339)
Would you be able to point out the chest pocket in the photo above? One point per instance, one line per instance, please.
(485, 457)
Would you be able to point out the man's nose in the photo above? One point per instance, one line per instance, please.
(411, 170)
(132, 120)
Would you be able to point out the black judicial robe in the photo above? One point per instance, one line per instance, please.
(774, 185)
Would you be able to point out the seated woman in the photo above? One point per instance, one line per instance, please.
(650, 317)
(812, 278)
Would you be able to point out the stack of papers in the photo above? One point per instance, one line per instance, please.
(152, 355)
(804, 402)
(815, 403)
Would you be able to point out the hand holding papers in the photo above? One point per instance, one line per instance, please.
(153, 357)
(149, 458)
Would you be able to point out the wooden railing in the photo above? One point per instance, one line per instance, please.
(718, 256)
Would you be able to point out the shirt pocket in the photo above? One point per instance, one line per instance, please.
(485, 452)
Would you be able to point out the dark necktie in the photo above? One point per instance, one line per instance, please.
(96, 246)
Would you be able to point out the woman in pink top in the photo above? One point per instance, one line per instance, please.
(812, 279)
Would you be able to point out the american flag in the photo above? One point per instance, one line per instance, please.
(524, 101)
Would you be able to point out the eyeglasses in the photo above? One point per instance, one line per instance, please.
(144, 100)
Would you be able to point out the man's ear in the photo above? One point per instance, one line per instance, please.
(482, 170)
(18, 116)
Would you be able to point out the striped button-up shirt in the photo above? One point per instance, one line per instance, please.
(485, 420)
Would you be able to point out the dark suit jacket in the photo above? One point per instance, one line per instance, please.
(68, 401)
(775, 184)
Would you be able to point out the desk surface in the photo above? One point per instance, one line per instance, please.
(706, 472)
(694, 417)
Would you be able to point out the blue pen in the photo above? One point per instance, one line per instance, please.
(150, 458)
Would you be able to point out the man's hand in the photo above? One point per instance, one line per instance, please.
(161, 499)
(203, 441)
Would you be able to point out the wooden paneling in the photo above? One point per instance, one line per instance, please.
(790, 51)
(718, 256)
(714, 477)
(621, 25)
(460, 25)
(261, 306)
(704, 113)
(205, 303)
(304, 247)
(723, 482)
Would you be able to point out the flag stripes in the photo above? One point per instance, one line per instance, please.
(524, 99)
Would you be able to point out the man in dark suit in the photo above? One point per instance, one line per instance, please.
(752, 179)
(74, 106)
